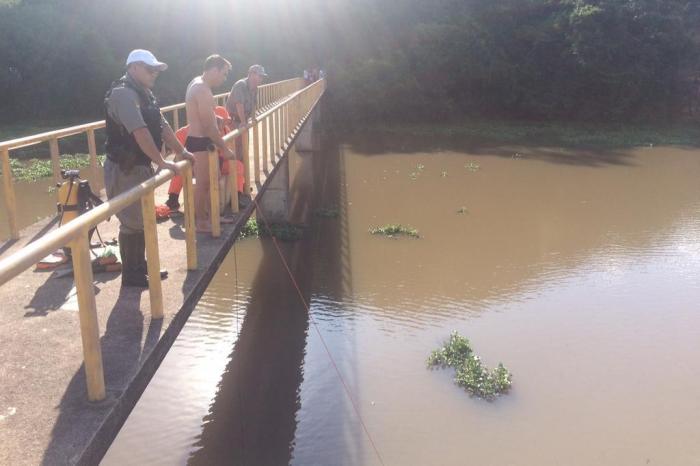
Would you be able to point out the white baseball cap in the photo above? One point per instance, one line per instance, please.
(146, 57)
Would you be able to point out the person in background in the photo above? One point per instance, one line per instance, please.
(241, 104)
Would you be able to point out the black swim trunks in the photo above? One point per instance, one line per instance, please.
(197, 144)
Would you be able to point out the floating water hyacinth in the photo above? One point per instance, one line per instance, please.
(393, 230)
(471, 374)
(282, 231)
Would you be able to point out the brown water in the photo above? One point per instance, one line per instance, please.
(578, 270)
(35, 201)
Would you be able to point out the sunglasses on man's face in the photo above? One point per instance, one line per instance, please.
(152, 70)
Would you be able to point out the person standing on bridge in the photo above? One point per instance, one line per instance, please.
(241, 104)
(136, 130)
(200, 107)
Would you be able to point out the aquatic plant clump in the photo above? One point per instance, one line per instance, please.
(393, 230)
(282, 231)
(35, 169)
(471, 374)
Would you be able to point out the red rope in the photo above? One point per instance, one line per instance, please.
(325, 346)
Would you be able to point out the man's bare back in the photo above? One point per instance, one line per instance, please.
(199, 105)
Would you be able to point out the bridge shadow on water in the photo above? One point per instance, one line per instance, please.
(254, 416)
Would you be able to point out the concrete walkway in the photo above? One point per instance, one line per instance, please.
(45, 417)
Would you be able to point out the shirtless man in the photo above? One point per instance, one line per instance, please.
(200, 104)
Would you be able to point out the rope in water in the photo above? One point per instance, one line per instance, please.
(318, 332)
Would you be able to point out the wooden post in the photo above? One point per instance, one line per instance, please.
(8, 188)
(283, 127)
(265, 147)
(214, 213)
(190, 226)
(233, 182)
(256, 151)
(87, 312)
(276, 133)
(55, 162)
(155, 291)
(176, 119)
(94, 164)
(245, 142)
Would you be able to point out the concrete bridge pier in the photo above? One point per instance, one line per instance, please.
(275, 202)
(308, 140)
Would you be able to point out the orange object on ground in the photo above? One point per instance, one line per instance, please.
(162, 212)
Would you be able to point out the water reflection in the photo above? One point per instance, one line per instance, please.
(579, 271)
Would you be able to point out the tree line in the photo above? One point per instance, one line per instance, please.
(399, 60)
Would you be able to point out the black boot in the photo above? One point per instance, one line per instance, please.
(143, 265)
(173, 201)
(132, 255)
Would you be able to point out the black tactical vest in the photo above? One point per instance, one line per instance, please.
(119, 140)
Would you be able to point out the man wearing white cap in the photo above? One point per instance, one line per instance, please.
(136, 130)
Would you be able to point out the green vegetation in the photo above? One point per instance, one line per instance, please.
(282, 231)
(393, 230)
(410, 60)
(471, 374)
(34, 169)
(327, 212)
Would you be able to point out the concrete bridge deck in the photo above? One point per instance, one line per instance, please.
(45, 416)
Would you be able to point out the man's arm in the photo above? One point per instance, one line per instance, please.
(148, 146)
(240, 111)
(172, 142)
(124, 103)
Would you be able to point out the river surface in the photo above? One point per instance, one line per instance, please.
(576, 269)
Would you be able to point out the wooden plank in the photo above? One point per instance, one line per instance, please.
(55, 162)
(265, 147)
(87, 312)
(94, 164)
(155, 289)
(256, 151)
(214, 211)
(190, 226)
(246, 159)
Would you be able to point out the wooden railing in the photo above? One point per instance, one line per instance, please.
(280, 123)
(268, 94)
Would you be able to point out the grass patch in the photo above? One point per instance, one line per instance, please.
(35, 169)
(282, 231)
(471, 374)
(394, 230)
(552, 133)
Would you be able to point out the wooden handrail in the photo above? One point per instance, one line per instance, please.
(267, 94)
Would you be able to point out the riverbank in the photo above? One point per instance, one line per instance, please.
(574, 135)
